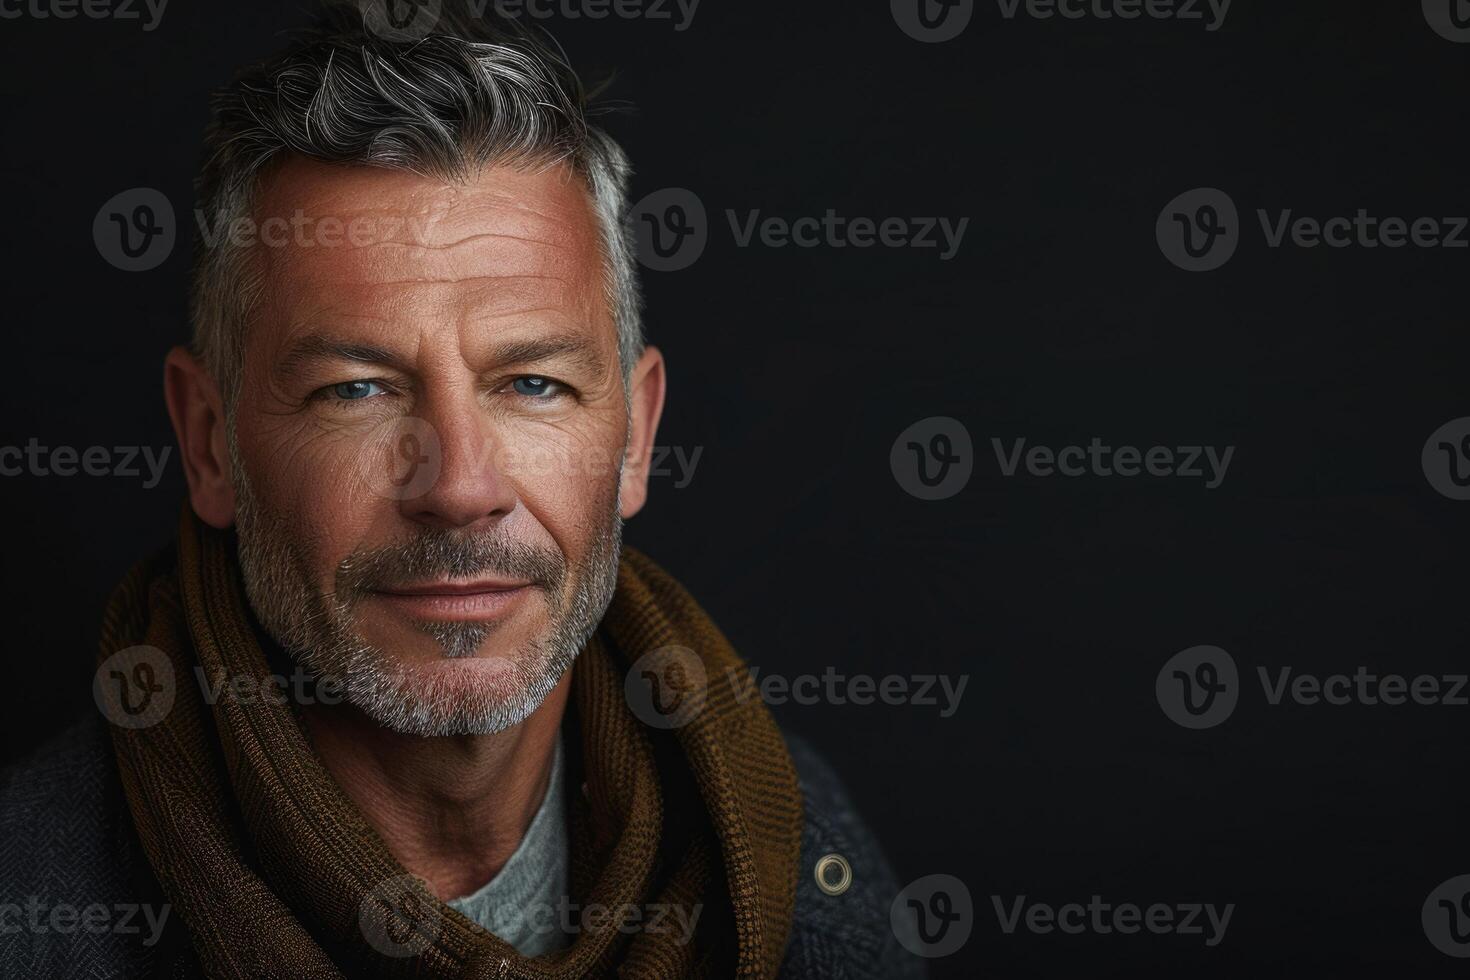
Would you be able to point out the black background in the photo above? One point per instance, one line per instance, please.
(1324, 549)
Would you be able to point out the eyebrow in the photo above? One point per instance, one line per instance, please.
(534, 349)
(317, 347)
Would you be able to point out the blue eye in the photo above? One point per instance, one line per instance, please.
(355, 390)
(533, 387)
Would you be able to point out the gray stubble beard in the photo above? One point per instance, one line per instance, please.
(318, 629)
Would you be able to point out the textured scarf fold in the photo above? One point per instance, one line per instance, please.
(276, 873)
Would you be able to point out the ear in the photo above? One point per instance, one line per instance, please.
(646, 403)
(198, 414)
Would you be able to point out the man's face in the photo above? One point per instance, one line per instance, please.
(429, 437)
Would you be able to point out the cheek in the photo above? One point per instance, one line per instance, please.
(321, 486)
(566, 476)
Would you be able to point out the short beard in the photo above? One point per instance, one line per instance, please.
(319, 630)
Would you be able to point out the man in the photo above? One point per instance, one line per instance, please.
(417, 409)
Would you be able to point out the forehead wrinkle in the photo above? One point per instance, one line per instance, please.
(508, 221)
(490, 251)
(514, 311)
(449, 280)
(548, 241)
(544, 242)
(465, 213)
(484, 256)
(325, 315)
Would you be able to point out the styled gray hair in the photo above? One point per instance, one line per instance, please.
(476, 91)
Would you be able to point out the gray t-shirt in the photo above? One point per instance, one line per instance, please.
(525, 903)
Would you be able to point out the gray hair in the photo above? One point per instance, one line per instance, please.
(475, 92)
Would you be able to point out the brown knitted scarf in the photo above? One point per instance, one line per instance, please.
(276, 873)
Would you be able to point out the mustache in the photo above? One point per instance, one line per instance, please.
(440, 553)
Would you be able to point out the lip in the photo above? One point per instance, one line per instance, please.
(481, 599)
(452, 587)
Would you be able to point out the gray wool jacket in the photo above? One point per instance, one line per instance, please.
(77, 898)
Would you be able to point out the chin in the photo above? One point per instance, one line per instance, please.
(480, 694)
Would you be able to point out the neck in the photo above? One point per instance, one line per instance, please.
(452, 809)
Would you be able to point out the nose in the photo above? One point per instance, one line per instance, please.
(469, 487)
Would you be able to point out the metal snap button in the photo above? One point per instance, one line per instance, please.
(826, 866)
